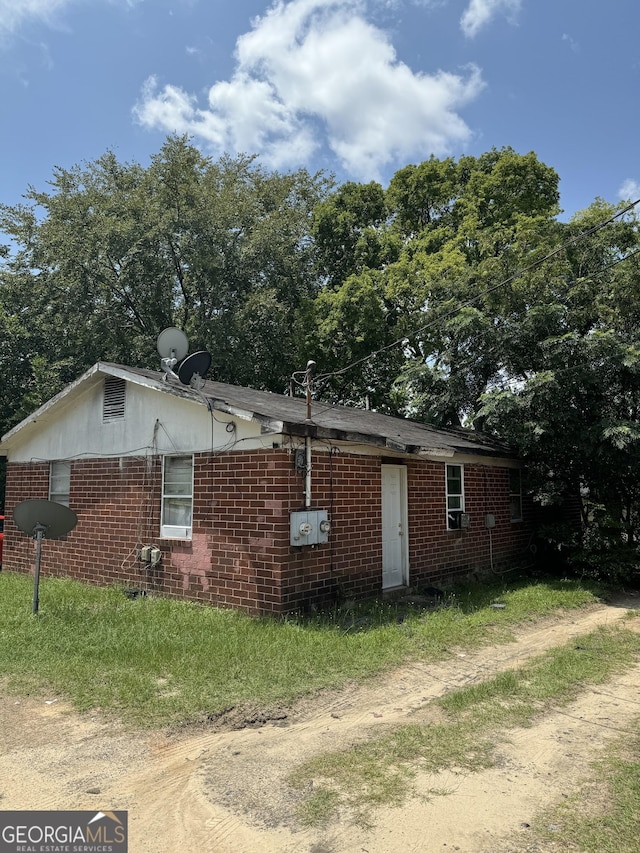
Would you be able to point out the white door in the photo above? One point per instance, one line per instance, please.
(394, 514)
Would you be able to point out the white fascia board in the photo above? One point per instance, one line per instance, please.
(267, 424)
(233, 410)
(155, 384)
(428, 452)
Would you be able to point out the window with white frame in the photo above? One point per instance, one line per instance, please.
(60, 482)
(455, 496)
(515, 494)
(177, 497)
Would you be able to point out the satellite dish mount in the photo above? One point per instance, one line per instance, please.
(172, 347)
(43, 520)
(194, 368)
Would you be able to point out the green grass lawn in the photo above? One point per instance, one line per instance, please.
(153, 661)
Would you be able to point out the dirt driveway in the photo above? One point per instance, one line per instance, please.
(224, 791)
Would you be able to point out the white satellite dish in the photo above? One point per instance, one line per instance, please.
(172, 346)
(172, 343)
(43, 520)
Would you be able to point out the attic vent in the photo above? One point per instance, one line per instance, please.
(114, 399)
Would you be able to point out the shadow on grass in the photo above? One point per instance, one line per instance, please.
(413, 604)
(473, 597)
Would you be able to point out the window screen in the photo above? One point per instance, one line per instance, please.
(515, 494)
(60, 482)
(177, 497)
(455, 496)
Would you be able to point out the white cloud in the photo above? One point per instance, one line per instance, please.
(630, 190)
(573, 44)
(479, 12)
(316, 71)
(13, 13)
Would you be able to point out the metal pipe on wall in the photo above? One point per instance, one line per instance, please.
(307, 477)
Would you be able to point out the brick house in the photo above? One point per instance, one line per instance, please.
(238, 498)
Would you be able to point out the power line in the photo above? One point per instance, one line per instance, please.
(470, 302)
(555, 371)
(608, 267)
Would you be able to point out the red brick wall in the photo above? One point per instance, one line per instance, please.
(437, 553)
(115, 503)
(239, 554)
(350, 564)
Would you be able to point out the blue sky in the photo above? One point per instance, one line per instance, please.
(359, 88)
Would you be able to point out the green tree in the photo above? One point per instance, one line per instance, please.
(433, 253)
(114, 252)
(494, 218)
(423, 195)
(349, 323)
(573, 410)
(349, 233)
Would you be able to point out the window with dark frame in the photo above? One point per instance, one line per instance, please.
(177, 497)
(515, 494)
(455, 496)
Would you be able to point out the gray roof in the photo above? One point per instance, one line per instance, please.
(281, 414)
(278, 412)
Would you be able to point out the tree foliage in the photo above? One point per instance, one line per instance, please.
(113, 253)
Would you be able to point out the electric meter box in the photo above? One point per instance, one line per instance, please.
(310, 527)
(150, 554)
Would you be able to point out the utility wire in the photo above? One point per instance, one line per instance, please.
(608, 267)
(470, 302)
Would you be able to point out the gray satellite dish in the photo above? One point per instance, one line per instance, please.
(172, 345)
(43, 520)
(193, 369)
